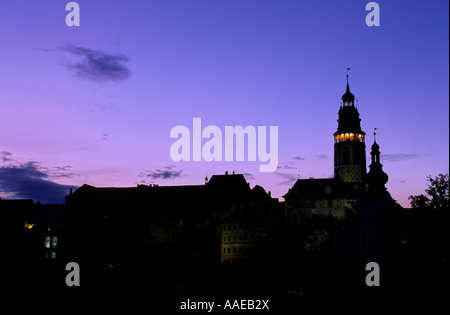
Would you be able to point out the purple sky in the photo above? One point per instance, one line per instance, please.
(95, 104)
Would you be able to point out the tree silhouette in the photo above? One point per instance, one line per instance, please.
(437, 194)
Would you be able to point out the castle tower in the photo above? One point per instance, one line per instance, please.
(349, 146)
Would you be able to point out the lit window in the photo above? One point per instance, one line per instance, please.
(47, 242)
(54, 241)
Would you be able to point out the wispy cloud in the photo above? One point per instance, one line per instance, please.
(30, 181)
(299, 158)
(6, 156)
(287, 178)
(249, 176)
(320, 157)
(167, 172)
(97, 65)
(399, 157)
(287, 167)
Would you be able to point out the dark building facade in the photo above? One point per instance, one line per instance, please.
(223, 220)
(378, 215)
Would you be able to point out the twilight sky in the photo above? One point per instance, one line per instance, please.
(96, 103)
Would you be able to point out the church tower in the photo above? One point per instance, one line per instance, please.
(378, 219)
(349, 145)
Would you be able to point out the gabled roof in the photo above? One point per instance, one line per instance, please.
(235, 180)
(315, 187)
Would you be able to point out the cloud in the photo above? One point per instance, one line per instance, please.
(98, 66)
(287, 167)
(167, 172)
(286, 178)
(403, 181)
(298, 158)
(320, 157)
(30, 181)
(6, 156)
(399, 157)
(249, 176)
(58, 172)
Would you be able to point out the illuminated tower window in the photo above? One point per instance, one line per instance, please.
(349, 147)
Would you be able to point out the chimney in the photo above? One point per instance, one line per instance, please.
(226, 172)
(70, 191)
(233, 173)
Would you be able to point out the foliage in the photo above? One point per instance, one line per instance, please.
(437, 194)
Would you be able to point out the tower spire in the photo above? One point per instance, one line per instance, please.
(348, 98)
(348, 87)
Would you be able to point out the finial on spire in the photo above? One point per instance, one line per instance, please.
(375, 134)
(348, 87)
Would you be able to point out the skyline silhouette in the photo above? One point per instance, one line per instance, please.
(213, 153)
(95, 104)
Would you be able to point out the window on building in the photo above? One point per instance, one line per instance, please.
(228, 250)
(234, 250)
(47, 242)
(54, 241)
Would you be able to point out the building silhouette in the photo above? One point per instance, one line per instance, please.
(334, 196)
(378, 217)
(179, 240)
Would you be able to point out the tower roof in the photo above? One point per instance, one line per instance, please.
(348, 97)
(376, 178)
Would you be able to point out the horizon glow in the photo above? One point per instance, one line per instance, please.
(95, 103)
